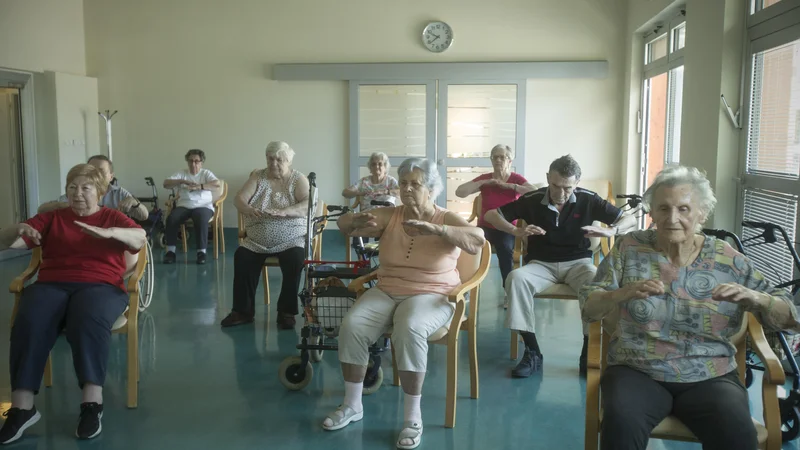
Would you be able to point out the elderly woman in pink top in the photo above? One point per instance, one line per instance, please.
(498, 188)
(420, 245)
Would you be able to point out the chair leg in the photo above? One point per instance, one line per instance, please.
(222, 235)
(514, 345)
(592, 436)
(395, 372)
(133, 367)
(183, 238)
(452, 384)
(266, 287)
(48, 371)
(473, 363)
(215, 239)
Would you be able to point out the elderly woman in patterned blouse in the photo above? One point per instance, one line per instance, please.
(274, 203)
(677, 296)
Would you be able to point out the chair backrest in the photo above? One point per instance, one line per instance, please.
(219, 193)
(468, 265)
(476, 208)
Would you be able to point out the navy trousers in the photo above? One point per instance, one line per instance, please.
(85, 311)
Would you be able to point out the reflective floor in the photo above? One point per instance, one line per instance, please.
(205, 388)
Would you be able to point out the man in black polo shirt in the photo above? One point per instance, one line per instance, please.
(559, 224)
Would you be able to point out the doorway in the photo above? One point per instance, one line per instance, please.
(13, 195)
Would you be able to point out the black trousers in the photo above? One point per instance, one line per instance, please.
(503, 244)
(247, 267)
(85, 311)
(716, 410)
(200, 217)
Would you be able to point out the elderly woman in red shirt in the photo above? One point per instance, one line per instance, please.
(80, 289)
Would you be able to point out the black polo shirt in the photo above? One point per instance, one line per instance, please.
(564, 241)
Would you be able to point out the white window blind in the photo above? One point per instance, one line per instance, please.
(773, 260)
(771, 147)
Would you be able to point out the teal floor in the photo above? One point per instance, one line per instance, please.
(205, 388)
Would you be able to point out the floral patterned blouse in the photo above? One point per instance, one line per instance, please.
(683, 335)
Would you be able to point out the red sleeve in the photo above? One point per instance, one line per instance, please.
(485, 176)
(41, 223)
(516, 178)
(120, 220)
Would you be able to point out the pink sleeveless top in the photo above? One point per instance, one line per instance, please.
(412, 265)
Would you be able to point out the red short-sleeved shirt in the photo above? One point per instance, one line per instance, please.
(70, 255)
(494, 197)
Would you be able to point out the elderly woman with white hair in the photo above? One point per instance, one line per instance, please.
(420, 245)
(674, 297)
(274, 203)
(377, 186)
(498, 188)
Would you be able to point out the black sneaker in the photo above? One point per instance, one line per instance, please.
(17, 421)
(530, 363)
(169, 258)
(89, 425)
(201, 257)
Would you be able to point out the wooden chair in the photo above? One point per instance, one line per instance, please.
(560, 291)
(127, 324)
(272, 261)
(769, 433)
(216, 222)
(348, 239)
(472, 269)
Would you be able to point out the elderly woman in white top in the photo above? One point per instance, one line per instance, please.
(195, 201)
(274, 202)
(377, 186)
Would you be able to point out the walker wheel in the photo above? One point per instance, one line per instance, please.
(748, 377)
(315, 355)
(790, 427)
(162, 240)
(293, 375)
(373, 378)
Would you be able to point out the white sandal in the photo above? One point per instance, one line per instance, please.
(342, 417)
(411, 431)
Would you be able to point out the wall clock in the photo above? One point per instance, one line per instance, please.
(437, 36)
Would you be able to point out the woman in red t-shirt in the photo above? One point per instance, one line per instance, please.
(80, 289)
(498, 188)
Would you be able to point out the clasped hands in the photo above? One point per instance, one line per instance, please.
(725, 292)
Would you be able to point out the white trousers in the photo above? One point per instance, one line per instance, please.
(524, 283)
(413, 319)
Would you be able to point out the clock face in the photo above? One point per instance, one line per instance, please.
(437, 36)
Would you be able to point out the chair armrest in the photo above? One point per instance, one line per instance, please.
(18, 283)
(357, 285)
(773, 370)
(133, 281)
(593, 356)
(242, 231)
(466, 286)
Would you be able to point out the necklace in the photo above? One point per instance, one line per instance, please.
(694, 248)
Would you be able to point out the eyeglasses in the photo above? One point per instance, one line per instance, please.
(195, 161)
(499, 158)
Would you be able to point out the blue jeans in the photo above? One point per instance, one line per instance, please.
(85, 311)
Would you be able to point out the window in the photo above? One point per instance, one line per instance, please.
(770, 158)
(392, 120)
(758, 5)
(662, 101)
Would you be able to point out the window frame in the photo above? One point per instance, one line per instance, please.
(766, 29)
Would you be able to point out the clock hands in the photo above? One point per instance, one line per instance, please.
(432, 40)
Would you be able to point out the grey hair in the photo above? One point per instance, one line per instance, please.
(280, 149)
(675, 175)
(381, 157)
(567, 167)
(504, 148)
(430, 173)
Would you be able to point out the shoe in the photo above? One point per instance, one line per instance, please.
(236, 318)
(286, 321)
(342, 417)
(201, 257)
(17, 421)
(412, 431)
(89, 425)
(530, 363)
(169, 258)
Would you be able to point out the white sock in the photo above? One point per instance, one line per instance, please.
(352, 395)
(201, 251)
(411, 407)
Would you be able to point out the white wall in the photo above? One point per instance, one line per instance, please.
(195, 73)
(39, 35)
(78, 122)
